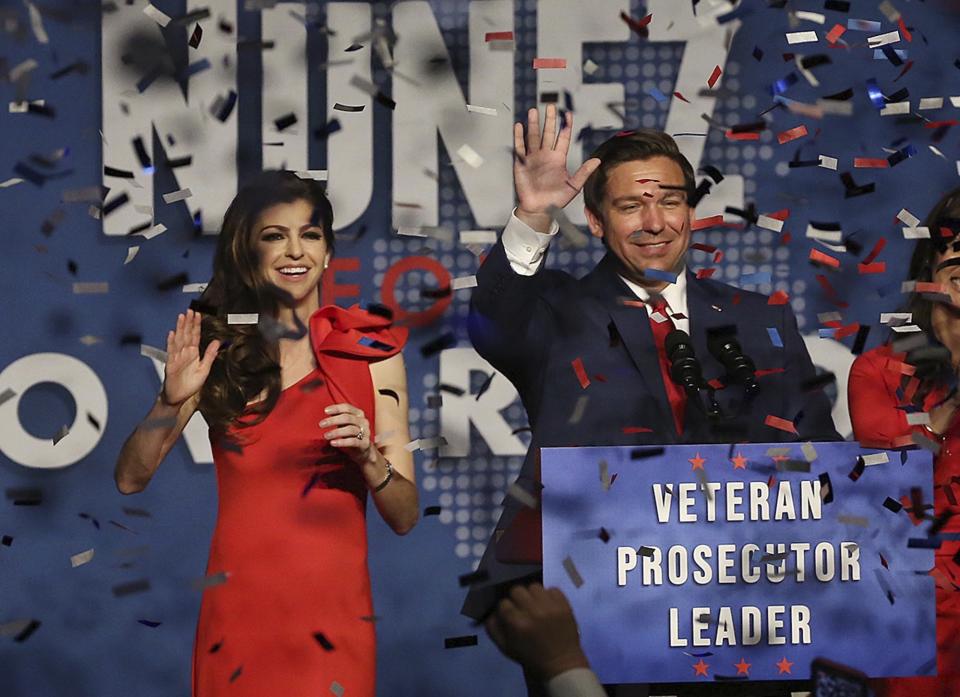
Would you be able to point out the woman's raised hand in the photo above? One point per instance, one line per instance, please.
(540, 167)
(185, 371)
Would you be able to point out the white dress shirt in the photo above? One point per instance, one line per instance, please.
(525, 248)
(577, 682)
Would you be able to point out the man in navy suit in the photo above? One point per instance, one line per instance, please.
(588, 355)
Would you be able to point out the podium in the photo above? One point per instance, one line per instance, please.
(716, 562)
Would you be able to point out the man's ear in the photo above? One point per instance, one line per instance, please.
(594, 223)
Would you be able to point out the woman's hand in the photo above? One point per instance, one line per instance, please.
(540, 167)
(185, 371)
(352, 432)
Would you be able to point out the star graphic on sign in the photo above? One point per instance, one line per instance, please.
(697, 462)
(784, 665)
(739, 462)
(701, 668)
(743, 668)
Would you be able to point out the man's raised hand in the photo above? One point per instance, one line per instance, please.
(540, 168)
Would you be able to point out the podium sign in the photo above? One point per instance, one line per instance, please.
(742, 562)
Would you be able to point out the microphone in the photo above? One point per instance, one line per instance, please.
(685, 369)
(739, 366)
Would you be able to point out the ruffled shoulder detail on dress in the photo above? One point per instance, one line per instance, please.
(355, 332)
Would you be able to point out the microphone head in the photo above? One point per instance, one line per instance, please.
(721, 344)
(674, 340)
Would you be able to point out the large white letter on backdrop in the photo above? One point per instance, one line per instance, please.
(430, 99)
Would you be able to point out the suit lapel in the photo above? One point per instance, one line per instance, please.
(633, 326)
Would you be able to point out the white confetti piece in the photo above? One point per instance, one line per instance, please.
(809, 452)
(916, 233)
(802, 37)
(517, 492)
(12, 181)
(478, 237)
(22, 68)
(24, 107)
(605, 479)
(7, 395)
(411, 231)
(810, 16)
(319, 175)
(879, 40)
(889, 11)
(175, 196)
(153, 352)
(36, 23)
(828, 162)
(825, 317)
(908, 218)
(895, 109)
(814, 233)
(918, 418)
(463, 282)
(935, 151)
(413, 446)
(768, 223)
(131, 253)
(93, 211)
(81, 558)
(875, 459)
(955, 101)
(470, 156)
(139, 208)
(432, 443)
(194, 287)
(931, 103)
(157, 229)
(589, 67)
(895, 319)
(337, 689)
(156, 15)
(91, 287)
(486, 111)
(243, 318)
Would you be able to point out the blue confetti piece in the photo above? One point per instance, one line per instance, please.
(863, 25)
(758, 278)
(657, 94)
(827, 332)
(374, 344)
(879, 55)
(876, 96)
(775, 337)
(783, 84)
(197, 66)
(659, 275)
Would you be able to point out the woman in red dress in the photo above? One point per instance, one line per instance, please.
(886, 382)
(305, 406)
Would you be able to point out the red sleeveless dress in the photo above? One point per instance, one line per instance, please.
(294, 616)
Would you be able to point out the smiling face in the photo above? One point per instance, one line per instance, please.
(645, 218)
(291, 249)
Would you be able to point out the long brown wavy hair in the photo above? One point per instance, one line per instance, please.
(249, 362)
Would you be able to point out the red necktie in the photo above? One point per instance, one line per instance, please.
(675, 393)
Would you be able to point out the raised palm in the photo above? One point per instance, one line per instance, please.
(185, 371)
(540, 168)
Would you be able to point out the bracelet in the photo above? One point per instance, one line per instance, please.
(938, 436)
(386, 480)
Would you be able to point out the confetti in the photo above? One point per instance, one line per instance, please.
(463, 282)
(470, 156)
(156, 15)
(486, 111)
(517, 492)
(131, 587)
(791, 134)
(90, 288)
(714, 76)
(319, 175)
(802, 37)
(457, 642)
(175, 196)
(243, 318)
(775, 337)
(154, 353)
(498, 36)
(780, 424)
(572, 572)
(883, 39)
(478, 237)
(590, 68)
(580, 372)
(547, 63)
(81, 558)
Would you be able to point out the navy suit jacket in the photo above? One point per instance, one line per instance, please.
(532, 329)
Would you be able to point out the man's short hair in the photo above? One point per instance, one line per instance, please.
(641, 144)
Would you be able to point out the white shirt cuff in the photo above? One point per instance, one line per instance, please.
(525, 246)
(577, 682)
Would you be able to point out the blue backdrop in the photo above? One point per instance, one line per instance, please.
(91, 642)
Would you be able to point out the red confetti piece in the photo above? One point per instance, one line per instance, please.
(938, 124)
(636, 429)
(904, 32)
(870, 163)
(638, 25)
(778, 298)
(906, 69)
(599, 378)
(743, 136)
(681, 97)
(835, 33)
(946, 232)
(780, 424)
(708, 248)
(896, 366)
(819, 257)
(930, 287)
(846, 331)
(792, 134)
(737, 297)
(761, 372)
(716, 384)
(781, 214)
(830, 291)
(714, 76)
(902, 442)
(633, 303)
(543, 63)
(913, 384)
(707, 222)
(874, 267)
(875, 252)
(706, 273)
(786, 237)
(499, 36)
(577, 364)
(718, 256)
(884, 562)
